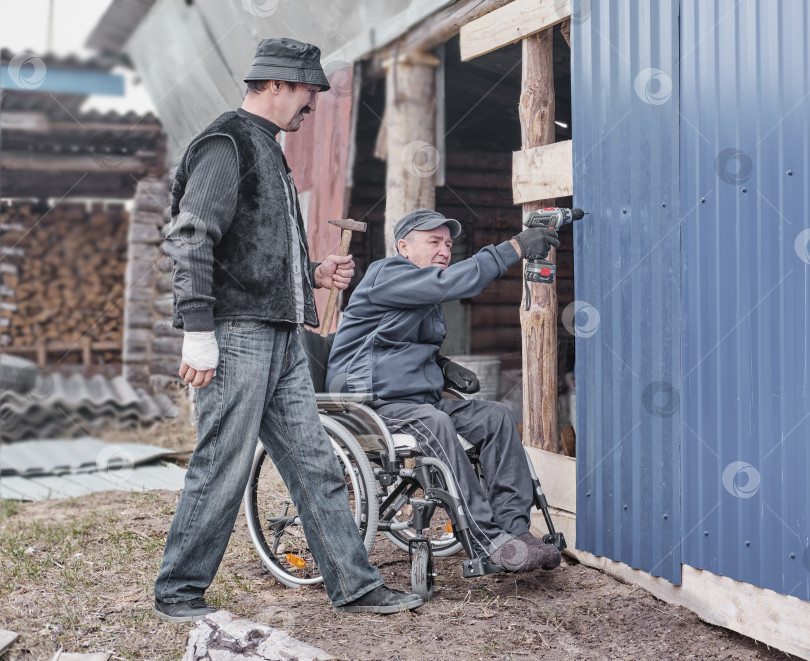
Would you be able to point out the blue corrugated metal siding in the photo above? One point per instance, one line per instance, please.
(625, 131)
(745, 182)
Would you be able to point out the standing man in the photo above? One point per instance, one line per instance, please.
(243, 284)
(388, 344)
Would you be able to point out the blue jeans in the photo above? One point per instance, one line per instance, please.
(262, 389)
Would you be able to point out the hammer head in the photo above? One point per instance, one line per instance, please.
(348, 224)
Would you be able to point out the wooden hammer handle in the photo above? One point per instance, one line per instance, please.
(326, 324)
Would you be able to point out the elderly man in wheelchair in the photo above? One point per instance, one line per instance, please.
(383, 404)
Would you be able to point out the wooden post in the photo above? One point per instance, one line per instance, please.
(539, 323)
(411, 154)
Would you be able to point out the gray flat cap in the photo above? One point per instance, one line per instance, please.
(424, 219)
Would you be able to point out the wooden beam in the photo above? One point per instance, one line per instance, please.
(543, 172)
(436, 29)
(412, 157)
(539, 321)
(509, 24)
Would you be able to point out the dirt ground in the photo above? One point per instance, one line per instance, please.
(77, 574)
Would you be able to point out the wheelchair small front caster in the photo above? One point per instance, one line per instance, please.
(422, 571)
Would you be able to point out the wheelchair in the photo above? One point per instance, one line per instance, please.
(412, 499)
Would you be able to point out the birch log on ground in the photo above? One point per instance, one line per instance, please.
(222, 636)
(539, 323)
(411, 153)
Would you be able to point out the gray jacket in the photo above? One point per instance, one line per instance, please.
(393, 327)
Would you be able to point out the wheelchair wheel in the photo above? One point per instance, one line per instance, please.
(442, 540)
(273, 520)
(422, 571)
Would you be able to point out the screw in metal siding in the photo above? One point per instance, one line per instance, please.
(625, 507)
(747, 542)
(744, 189)
(587, 494)
(792, 556)
(666, 516)
(790, 173)
(705, 533)
(663, 204)
(703, 200)
(624, 210)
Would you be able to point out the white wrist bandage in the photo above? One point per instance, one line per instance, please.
(200, 350)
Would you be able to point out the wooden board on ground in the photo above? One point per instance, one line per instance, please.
(767, 616)
(509, 24)
(558, 477)
(543, 173)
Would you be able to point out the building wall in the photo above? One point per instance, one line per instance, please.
(624, 87)
(745, 103)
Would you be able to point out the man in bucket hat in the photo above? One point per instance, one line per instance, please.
(388, 344)
(243, 284)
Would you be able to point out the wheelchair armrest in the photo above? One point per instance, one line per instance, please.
(335, 401)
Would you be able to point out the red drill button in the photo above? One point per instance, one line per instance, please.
(545, 271)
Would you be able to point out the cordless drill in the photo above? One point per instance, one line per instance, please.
(542, 270)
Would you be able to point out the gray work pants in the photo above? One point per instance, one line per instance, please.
(503, 511)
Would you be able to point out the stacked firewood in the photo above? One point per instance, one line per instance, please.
(68, 275)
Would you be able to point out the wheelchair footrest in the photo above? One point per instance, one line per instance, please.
(479, 567)
(557, 539)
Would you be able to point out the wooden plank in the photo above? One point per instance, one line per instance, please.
(776, 619)
(543, 173)
(509, 24)
(436, 29)
(558, 477)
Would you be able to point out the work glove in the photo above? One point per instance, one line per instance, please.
(460, 378)
(200, 350)
(535, 242)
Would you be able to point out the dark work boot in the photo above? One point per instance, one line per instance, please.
(183, 611)
(383, 601)
(550, 554)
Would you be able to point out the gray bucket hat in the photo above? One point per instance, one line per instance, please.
(289, 60)
(424, 219)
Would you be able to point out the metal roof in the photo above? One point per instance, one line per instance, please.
(59, 468)
(192, 56)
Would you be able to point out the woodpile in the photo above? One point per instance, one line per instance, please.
(65, 268)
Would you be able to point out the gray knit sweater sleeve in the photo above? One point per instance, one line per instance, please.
(206, 211)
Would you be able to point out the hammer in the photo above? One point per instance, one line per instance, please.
(346, 226)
